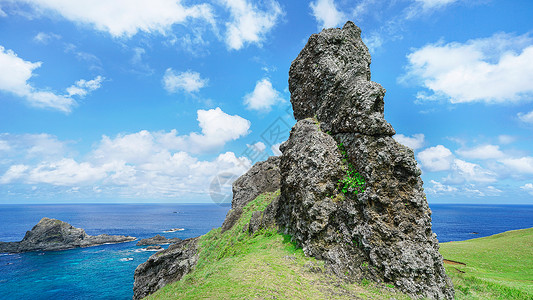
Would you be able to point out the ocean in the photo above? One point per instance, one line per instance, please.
(106, 272)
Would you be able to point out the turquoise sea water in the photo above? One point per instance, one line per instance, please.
(103, 272)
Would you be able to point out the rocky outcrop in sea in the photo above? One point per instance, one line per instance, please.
(350, 196)
(53, 235)
(157, 240)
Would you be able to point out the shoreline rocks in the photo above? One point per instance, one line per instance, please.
(158, 240)
(54, 235)
(165, 267)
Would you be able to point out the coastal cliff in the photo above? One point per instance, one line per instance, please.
(346, 192)
(53, 235)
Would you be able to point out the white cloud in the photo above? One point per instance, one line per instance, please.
(65, 172)
(506, 139)
(124, 18)
(275, 149)
(14, 172)
(141, 164)
(217, 128)
(520, 165)
(526, 117)
(263, 97)
(374, 42)
(434, 159)
(433, 4)
(415, 142)
(82, 87)
(482, 152)
(439, 188)
(497, 69)
(16, 73)
(258, 147)
(326, 13)
(30, 146)
(188, 81)
(470, 172)
(528, 187)
(248, 23)
(45, 38)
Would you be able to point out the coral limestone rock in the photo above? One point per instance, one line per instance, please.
(262, 177)
(383, 232)
(165, 267)
(53, 235)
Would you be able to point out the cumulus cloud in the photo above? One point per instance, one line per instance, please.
(470, 172)
(439, 188)
(249, 24)
(415, 142)
(263, 97)
(526, 117)
(141, 164)
(217, 128)
(187, 81)
(482, 152)
(497, 69)
(326, 13)
(124, 18)
(434, 159)
(528, 187)
(29, 146)
(15, 76)
(82, 87)
(522, 165)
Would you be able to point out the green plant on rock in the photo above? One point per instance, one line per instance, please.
(352, 182)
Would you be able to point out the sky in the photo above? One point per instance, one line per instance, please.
(170, 101)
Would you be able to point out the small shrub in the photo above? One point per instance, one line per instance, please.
(352, 182)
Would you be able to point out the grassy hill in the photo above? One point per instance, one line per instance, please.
(266, 265)
(493, 267)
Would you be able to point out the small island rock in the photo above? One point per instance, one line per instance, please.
(53, 235)
(157, 240)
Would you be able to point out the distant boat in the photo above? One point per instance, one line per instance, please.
(174, 230)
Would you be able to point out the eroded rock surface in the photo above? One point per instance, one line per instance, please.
(52, 235)
(165, 267)
(157, 240)
(262, 177)
(383, 233)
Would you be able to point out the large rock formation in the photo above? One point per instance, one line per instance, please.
(52, 235)
(383, 232)
(165, 267)
(375, 224)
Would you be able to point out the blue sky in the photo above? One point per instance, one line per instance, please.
(168, 101)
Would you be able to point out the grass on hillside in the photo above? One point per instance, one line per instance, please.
(266, 265)
(497, 267)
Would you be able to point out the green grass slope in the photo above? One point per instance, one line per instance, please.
(497, 267)
(266, 265)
